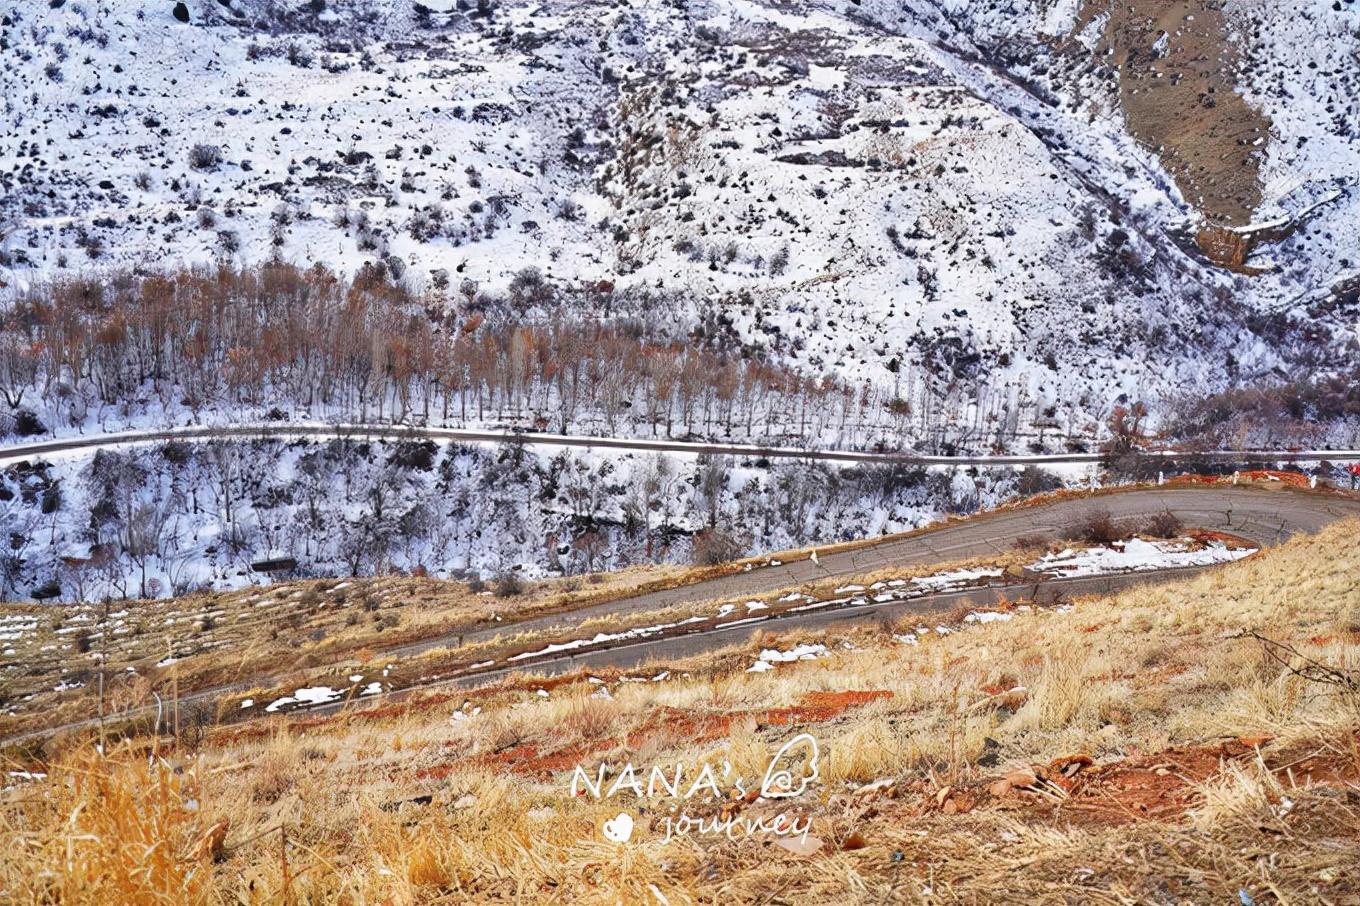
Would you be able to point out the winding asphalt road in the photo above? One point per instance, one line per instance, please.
(1263, 515)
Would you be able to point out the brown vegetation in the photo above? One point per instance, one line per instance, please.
(1177, 67)
(1142, 745)
(282, 336)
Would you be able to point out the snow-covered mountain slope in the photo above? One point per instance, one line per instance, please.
(952, 197)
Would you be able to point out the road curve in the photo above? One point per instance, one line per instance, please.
(297, 431)
(634, 654)
(1264, 515)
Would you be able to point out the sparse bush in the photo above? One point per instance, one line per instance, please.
(1098, 527)
(299, 56)
(91, 243)
(205, 157)
(508, 585)
(1034, 480)
(713, 546)
(569, 210)
(27, 424)
(779, 262)
(1031, 543)
(1164, 525)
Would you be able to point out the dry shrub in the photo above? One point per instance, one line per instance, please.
(714, 546)
(508, 585)
(1163, 525)
(424, 867)
(868, 752)
(1348, 618)
(589, 719)
(1098, 527)
(1031, 543)
(1062, 692)
(1239, 795)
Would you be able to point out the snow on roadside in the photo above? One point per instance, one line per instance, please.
(603, 638)
(1136, 555)
(989, 616)
(958, 578)
(770, 656)
(312, 695)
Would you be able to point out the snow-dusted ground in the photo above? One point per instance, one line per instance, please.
(914, 194)
(1136, 555)
(163, 520)
(924, 196)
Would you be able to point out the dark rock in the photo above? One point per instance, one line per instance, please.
(181, 12)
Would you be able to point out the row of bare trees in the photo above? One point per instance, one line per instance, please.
(305, 340)
(279, 341)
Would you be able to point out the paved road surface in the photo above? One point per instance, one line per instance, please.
(1265, 516)
(299, 430)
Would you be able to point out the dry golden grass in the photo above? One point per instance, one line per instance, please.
(228, 637)
(330, 810)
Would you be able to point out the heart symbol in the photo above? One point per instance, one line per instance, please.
(619, 828)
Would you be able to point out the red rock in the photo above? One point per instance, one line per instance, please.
(1068, 765)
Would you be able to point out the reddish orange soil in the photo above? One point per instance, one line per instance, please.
(1257, 476)
(1159, 786)
(814, 707)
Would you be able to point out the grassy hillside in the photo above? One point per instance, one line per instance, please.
(1145, 747)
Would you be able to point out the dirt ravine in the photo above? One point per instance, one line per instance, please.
(1177, 67)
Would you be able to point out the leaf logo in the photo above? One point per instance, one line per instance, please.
(793, 767)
